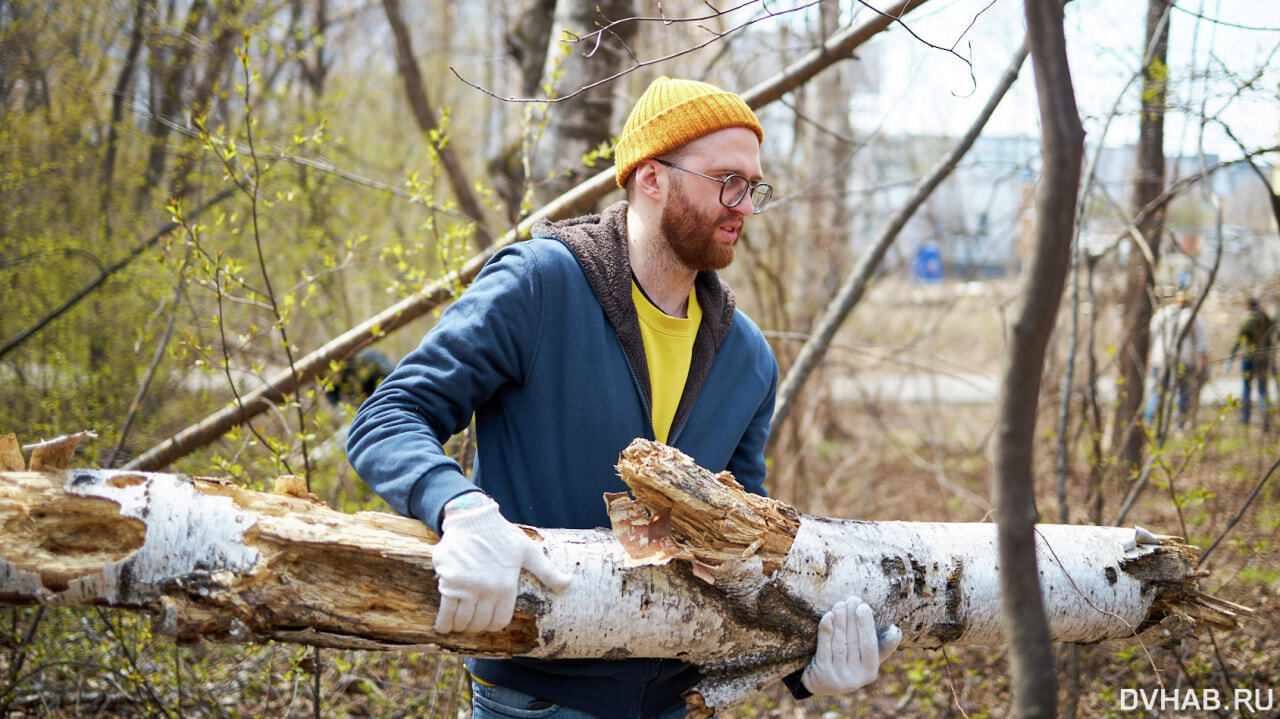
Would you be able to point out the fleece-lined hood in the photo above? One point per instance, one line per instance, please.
(600, 244)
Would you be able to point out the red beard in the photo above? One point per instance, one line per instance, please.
(691, 234)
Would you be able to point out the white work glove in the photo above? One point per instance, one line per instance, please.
(849, 653)
(478, 562)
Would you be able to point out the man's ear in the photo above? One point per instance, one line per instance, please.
(647, 180)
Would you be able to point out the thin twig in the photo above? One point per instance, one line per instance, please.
(716, 36)
(1222, 664)
(640, 63)
(951, 49)
(226, 366)
(952, 684)
(1234, 520)
(1223, 23)
(106, 273)
(256, 183)
(156, 358)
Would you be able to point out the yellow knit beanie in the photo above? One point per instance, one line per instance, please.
(672, 113)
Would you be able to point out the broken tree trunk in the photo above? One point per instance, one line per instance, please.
(750, 575)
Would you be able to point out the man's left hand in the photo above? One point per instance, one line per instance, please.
(849, 653)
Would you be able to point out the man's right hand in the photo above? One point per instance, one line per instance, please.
(478, 562)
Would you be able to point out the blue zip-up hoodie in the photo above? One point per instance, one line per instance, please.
(545, 350)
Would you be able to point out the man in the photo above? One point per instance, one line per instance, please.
(598, 330)
(1177, 361)
(1254, 338)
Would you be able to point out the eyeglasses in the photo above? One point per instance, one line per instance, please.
(733, 188)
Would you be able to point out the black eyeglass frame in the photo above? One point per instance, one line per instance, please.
(751, 188)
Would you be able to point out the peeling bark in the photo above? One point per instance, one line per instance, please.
(727, 580)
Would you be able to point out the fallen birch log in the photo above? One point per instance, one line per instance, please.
(699, 570)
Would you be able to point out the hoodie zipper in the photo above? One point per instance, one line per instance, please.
(644, 402)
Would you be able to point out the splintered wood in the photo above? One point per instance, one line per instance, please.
(714, 519)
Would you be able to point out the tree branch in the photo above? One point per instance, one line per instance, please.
(18, 339)
(841, 46)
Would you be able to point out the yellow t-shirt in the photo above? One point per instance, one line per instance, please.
(668, 346)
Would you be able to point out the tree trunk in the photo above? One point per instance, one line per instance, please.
(832, 214)
(142, 11)
(1027, 602)
(749, 580)
(1144, 255)
(526, 42)
(579, 125)
(169, 104)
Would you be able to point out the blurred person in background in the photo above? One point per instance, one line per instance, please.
(1179, 357)
(1253, 342)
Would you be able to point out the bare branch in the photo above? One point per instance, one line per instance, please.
(1243, 508)
(1216, 21)
(891, 16)
(639, 63)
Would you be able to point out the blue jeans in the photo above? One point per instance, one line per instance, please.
(1253, 372)
(502, 703)
(1185, 384)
